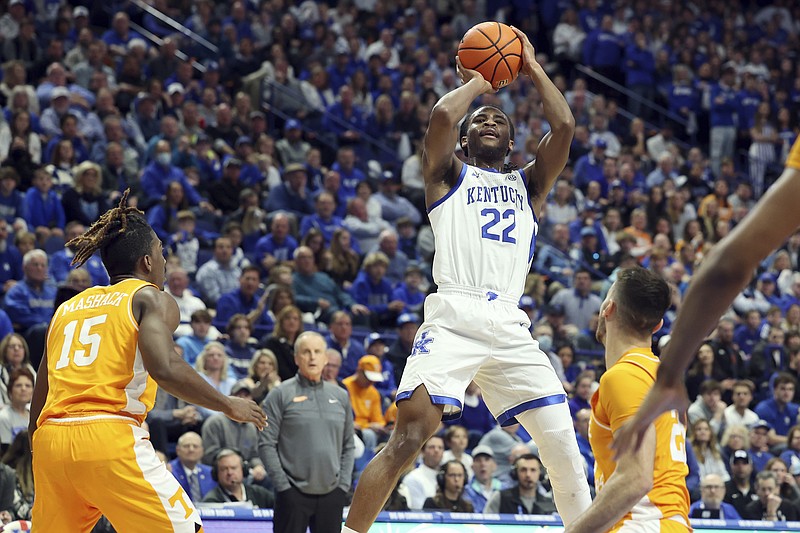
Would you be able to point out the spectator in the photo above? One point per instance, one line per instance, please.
(316, 292)
(86, 202)
(263, 375)
(705, 368)
(739, 412)
(15, 417)
(29, 303)
(278, 246)
(780, 412)
(14, 355)
(579, 303)
(409, 291)
(292, 148)
(582, 392)
(792, 454)
(194, 343)
(20, 458)
(220, 432)
(344, 260)
(708, 406)
(194, 476)
(723, 101)
(394, 206)
(450, 481)
(738, 491)
(178, 287)
(224, 194)
(248, 300)
(43, 208)
(372, 290)
(502, 440)
(760, 434)
(213, 365)
(12, 202)
(323, 218)
(365, 229)
(228, 469)
(293, 195)
(710, 505)
(483, 484)
(340, 339)
(308, 446)
(769, 505)
(161, 172)
(787, 486)
(237, 346)
(366, 401)
(421, 482)
(61, 261)
(288, 326)
(524, 497)
(706, 449)
(219, 275)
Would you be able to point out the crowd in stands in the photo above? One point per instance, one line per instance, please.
(279, 161)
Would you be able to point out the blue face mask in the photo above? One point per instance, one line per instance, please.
(545, 342)
(164, 159)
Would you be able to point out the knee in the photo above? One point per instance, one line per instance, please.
(404, 446)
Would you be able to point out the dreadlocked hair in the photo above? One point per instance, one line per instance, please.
(122, 235)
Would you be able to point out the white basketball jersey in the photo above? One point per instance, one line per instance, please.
(485, 232)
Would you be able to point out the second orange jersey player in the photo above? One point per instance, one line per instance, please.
(643, 491)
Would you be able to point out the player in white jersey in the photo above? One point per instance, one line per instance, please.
(484, 219)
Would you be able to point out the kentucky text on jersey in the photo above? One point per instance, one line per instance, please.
(92, 301)
(498, 194)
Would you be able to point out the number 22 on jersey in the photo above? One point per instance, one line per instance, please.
(85, 337)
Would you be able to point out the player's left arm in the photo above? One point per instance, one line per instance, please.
(629, 483)
(40, 391)
(553, 151)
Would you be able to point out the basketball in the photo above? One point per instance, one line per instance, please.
(494, 50)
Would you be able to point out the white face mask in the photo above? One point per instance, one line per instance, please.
(164, 159)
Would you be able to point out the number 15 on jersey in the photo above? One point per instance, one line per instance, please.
(85, 337)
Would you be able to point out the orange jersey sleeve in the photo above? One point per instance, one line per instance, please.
(94, 367)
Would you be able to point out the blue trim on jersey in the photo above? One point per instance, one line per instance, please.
(452, 190)
(507, 418)
(437, 400)
(532, 248)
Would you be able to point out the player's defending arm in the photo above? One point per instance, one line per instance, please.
(440, 166)
(629, 483)
(553, 150)
(724, 273)
(158, 317)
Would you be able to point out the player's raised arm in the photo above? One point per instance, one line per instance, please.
(159, 316)
(724, 273)
(554, 147)
(440, 166)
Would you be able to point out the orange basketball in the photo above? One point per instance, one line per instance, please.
(494, 50)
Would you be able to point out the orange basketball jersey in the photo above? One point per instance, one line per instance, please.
(94, 367)
(793, 161)
(621, 392)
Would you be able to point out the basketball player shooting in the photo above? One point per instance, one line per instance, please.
(484, 218)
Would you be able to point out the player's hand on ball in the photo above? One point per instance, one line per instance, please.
(246, 411)
(467, 75)
(528, 52)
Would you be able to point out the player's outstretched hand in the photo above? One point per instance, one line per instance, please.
(246, 411)
(662, 397)
(528, 53)
(467, 75)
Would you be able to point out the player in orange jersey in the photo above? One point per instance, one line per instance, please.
(643, 491)
(724, 273)
(106, 349)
